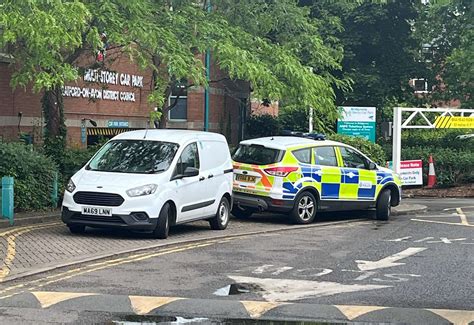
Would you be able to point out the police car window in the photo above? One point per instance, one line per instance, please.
(325, 156)
(189, 158)
(353, 159)
(257, 155)
(303, 155)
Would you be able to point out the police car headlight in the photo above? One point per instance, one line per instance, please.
(142, 190)
(70, 187)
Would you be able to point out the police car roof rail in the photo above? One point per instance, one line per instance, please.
(314, 136)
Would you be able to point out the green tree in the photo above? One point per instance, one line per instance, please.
(446, 29)
(281, 57)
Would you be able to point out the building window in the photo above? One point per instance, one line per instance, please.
(179, 98)
(419, 85)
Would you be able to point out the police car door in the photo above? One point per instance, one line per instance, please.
(358, 182)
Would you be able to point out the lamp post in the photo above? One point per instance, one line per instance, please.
(208, 78)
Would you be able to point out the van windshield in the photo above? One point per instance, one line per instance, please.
(134, 156)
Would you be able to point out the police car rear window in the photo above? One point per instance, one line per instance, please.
(257, 155)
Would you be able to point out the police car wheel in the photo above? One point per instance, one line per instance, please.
(221, 220)
(305, 208)
(384, 207)
(163, 225)
(242, 213)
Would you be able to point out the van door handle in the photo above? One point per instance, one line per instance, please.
(210, 176)
(202, 178)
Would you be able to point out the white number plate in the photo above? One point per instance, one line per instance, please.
(96, 211)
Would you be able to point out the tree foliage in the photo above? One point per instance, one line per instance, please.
(274, 45)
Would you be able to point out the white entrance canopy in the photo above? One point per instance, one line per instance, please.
(426, 118)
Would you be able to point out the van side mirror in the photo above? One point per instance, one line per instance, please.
(191, 172)
(372, 166)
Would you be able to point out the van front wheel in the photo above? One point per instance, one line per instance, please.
(221, 219)
(163, 225)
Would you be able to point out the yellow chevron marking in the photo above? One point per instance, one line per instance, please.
(143, 305)
(352, 312)
(258, 308)
(458, 317)
(47, 299)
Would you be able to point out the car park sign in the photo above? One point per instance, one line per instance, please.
(357, 121)
(411, 172)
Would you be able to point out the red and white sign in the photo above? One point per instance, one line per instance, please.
(411, 172)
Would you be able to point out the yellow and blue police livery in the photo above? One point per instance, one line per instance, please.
(300, 176)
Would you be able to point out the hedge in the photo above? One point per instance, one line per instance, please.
(452, 166)
(33, 172)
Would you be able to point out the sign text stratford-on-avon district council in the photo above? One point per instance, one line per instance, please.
(106, 77)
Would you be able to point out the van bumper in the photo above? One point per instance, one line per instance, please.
(131, 221)
(261, 203)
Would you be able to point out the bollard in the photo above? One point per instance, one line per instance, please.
(7, 198)
(54, 191)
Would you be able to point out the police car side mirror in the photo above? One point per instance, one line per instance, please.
(372, 166)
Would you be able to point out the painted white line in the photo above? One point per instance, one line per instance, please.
(467, 206)
(462, 216)
(442, 222)
(388, 261)
(288, 290)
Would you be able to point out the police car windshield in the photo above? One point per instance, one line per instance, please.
(257, 155)
(134, 156)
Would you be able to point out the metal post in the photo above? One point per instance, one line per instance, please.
(310, 128)
(208, 78)
(7, 198)
(397, 138)
(54, 191)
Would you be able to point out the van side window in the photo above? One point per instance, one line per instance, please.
(303, 155)
(353, 159)
(189, 158)
(325, 156)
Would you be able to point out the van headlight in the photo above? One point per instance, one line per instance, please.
(70, 187)
(142, 190)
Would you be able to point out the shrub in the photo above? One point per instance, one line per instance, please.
(452, 166)
(262, 126)
(372, 150)
(33, 172)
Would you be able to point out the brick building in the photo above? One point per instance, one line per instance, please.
(115, 99)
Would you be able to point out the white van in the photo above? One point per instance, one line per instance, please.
(151, 180)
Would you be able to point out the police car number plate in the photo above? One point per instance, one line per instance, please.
(96, 211)
(245, 178)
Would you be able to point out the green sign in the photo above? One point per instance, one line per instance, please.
(357, 129)
(358, 122)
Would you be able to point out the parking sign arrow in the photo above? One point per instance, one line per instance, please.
(388, 261)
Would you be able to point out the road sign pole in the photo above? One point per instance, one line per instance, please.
(397, 138)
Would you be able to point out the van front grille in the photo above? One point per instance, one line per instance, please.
(97, 198)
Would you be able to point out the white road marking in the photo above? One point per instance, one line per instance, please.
(462, 216)
(442, 222)
(323, 272)
(446, 240)
(423, 239)
(289, 290)
(400, 239)
(467, 206)
(388, 261)
(282, 269)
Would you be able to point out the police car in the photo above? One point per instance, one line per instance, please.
(301, 176)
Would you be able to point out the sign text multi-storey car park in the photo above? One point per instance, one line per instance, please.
(105, 77)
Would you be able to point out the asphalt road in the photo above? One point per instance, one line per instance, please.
(412, 269)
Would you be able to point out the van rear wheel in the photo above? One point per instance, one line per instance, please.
(221, 219)
(163, 225)
(304, 210)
